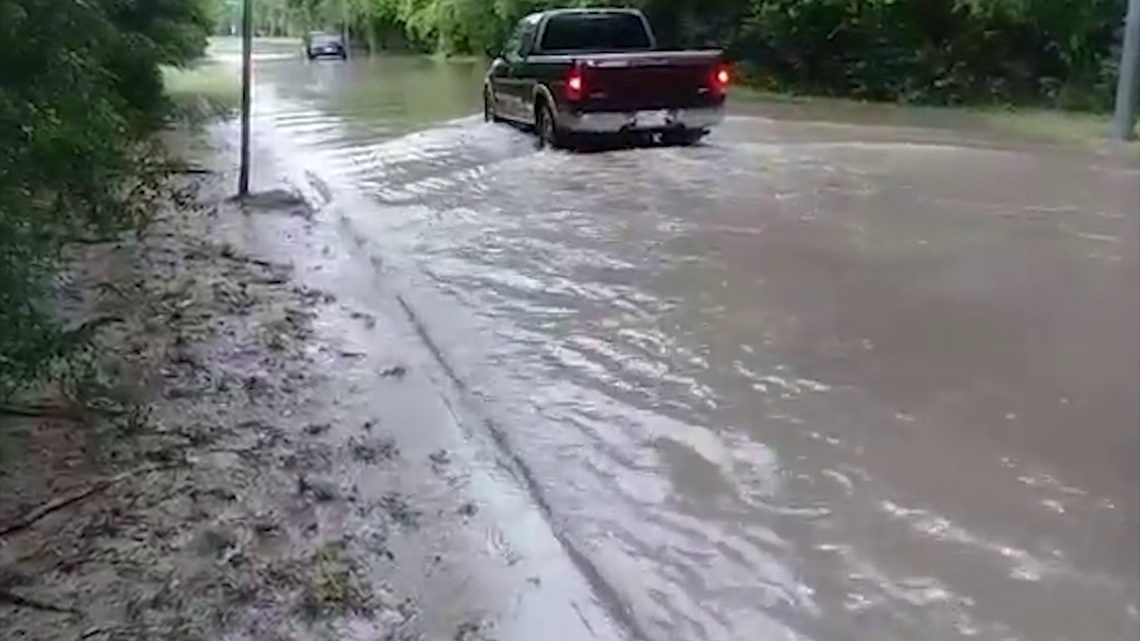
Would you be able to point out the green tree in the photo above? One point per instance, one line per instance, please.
(942, 51)
(79, 91)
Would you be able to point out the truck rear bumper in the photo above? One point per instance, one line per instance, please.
(606, 122)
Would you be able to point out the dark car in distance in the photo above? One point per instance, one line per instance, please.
(574, 73)
(319, 44)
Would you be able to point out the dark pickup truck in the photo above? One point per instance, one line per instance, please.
(577, 72)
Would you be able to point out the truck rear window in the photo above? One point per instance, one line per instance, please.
(595, 32)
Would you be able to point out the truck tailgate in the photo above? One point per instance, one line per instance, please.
(649, 80)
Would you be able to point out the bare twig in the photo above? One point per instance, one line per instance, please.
(86, 331)
(183, 168)
(111, 629)
(40, 411)
(61, 502)
(97, 240)
(24, 602)
(78, 414)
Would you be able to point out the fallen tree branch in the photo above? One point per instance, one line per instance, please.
(40, 411)
(76, 414)
(183, 168)
(94, 240)
(14, 599)
(110, 629)
(86, 330)
(61, 502)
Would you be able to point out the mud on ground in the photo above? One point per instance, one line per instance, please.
(228, 495)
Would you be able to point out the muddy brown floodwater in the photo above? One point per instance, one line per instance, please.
(824, 378)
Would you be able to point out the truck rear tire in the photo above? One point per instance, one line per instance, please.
(489, 114)
(547, 129)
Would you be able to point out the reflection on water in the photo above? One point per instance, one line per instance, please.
(780, 386)
(375, 97)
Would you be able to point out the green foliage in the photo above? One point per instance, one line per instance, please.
(937, 51)
(79, 89)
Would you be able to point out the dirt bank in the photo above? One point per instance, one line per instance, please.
(274, 462)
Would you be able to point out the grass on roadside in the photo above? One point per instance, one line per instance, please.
(334, 587)
(203, 91)
(1031, 123)
(1053, 125)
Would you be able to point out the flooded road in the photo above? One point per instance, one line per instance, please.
(812, 380)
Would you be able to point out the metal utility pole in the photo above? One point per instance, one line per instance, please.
(1128, 84)
(246, 77)
(345, 32)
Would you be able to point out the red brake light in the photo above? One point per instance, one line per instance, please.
(720, 78)
(575, 84)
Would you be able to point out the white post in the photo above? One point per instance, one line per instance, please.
(246, 74)
(1128, 84)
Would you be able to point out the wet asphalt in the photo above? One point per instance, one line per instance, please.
(829, 376)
